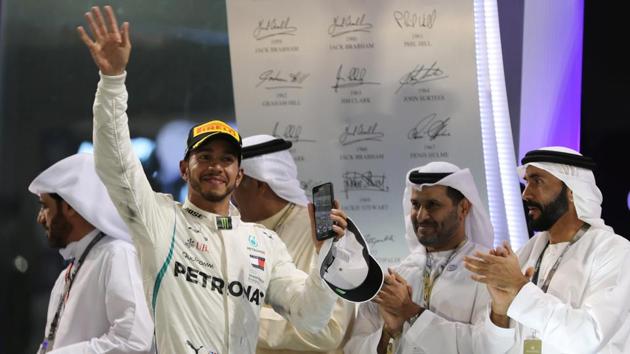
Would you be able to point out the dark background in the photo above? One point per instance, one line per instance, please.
(605, 134)
(180, 66)
(181, 69)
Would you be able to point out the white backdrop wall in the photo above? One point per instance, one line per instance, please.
(367, 90)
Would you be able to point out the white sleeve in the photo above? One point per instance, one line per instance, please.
(492, 339)
(118, 166)
(589, 327)
(131, 327)
(432, 333)
(304, 300)
(277, 333)
(367, 330)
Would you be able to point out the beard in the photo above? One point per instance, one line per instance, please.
(549, 213)
(444, 230)
(58, 232)
(212, 196)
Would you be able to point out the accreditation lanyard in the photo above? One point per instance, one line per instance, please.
(71, 274)
(554, 268)
(428, 281)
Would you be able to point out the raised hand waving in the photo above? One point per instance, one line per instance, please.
(110, 46)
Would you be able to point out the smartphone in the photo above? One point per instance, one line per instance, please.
(323, 203)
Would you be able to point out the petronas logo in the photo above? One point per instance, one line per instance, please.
(224, 223)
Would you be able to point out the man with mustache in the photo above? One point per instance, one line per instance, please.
(97, 304)
(206, 272)
(430, 304)
(567, 289)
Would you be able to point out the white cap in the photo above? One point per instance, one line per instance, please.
(348, 267)
(477, 224)
(74, 179)
(267, 159)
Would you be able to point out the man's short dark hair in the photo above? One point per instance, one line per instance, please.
(56, 197)
(455, 195)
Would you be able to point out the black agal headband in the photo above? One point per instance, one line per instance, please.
(267, 147)
(417, 177)
(559, 157)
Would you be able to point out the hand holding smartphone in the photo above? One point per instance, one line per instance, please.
(323, 201)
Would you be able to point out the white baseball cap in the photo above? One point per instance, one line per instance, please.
(348, 267)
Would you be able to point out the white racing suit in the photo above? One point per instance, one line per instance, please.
(205, 277)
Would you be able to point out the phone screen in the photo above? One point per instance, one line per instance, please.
(323, 202)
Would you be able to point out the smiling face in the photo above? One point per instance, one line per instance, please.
(546, 198)
(53, 220)
(212, 172)
(438, 219)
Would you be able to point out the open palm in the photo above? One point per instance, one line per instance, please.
(110, 46)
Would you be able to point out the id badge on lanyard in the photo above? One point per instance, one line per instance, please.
(49, 341)
(532, 344)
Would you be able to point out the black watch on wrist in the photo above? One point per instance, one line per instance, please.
(413, 318)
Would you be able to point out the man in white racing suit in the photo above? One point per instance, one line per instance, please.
(206, 274)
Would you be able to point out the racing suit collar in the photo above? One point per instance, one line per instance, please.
(199, 213)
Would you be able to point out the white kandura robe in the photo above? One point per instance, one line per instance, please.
(106, 311)
(586, 307)
(455, 316)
